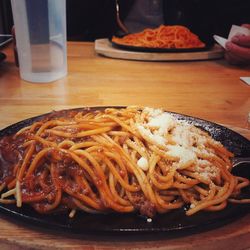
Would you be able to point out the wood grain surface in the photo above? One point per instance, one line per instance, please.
(210, 90)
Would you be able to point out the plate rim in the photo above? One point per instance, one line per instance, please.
(158, 50)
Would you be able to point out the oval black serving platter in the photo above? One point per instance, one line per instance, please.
(158, 50)
(173, 223)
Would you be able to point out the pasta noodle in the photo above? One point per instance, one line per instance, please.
(116, 160)
(176, 36)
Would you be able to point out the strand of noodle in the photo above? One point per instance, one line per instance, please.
(36, 160)
(180, 185)
(2, 186)
(142, 179)
(174, 192)
(163, 154)
(196, 176)
(57, 189)
(95, 122)
(94, 162)
(225, 192)
(164, 168)
(7, 201)
(33, 197)
(84, 198)
(104, 191)
(218, 207)
(149, 140)
(167, 198)
(119, 133)
(43, 177)
(83, 183)
(244, 183)
(140, 144)
(116, 139)
(219, 149)
(82, 164)
(79, 117)
(51, 123)
(218, 162)
(28, 143)
(85, 208)
(186, 180)
(139, 174)
(133, 155)
(211, 193)
(102, 140)
(8, 193)
(94, 149)
(201, 190)
(12, 184)
(85, 144)
(168, 182)
(72, 213)
(31, 128)
(81, 126)
(18, 194)
(137, 148)
(80, 134)
(123, 170)
(130, 188)
(26, 160)
(114, 192)
(44, 142)
(66, 143)
(185, 195)
(166, 177)
(22, 130)
(121, 123)
(168, 205)
(108, 142)
(143, 182)
(239, 201)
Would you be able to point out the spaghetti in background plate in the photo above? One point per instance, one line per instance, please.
(122, 170)
(174, 38)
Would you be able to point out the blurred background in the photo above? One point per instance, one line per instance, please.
(6, 20)
(88, 20)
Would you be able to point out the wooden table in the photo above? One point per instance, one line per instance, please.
(210, 90)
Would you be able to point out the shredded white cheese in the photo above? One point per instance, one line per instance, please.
(185, 155)
(180, 140)
(153, 137)
(163, 123)
(149, 220)
(192, 206)
(143, 163)
(157, 125)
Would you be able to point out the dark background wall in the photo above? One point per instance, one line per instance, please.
(6, 21)
(91, 19)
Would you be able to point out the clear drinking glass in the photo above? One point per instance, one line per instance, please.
(40, 30)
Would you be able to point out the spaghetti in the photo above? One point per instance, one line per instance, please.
(121, 160)
(176, 36)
